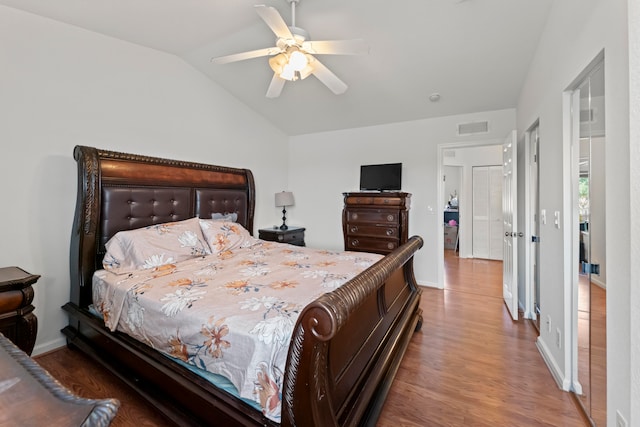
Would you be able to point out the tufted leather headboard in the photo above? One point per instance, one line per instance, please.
(119, 191)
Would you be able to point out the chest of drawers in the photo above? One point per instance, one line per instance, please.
(375, 222)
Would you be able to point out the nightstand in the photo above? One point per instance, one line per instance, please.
(17, 321)
(292, 235)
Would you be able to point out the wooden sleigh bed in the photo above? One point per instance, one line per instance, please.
(346, 345)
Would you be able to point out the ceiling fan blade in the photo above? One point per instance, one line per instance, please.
(336, 47)
(273, 19)
(246, 55)
(327, 77)
(275, 87)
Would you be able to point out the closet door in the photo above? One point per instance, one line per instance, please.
(487, 212)
(480, 212)
(495, 213)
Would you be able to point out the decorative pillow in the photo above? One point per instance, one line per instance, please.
(229, 217)
(154, 246)
(223, 236)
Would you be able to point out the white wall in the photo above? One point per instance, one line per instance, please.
(63, 86)
(576, 32)
(324, 165)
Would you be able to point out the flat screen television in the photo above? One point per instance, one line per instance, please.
(385, 177)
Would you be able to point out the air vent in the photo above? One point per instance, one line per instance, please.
(473, 128)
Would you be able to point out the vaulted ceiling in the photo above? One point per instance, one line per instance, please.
(473, 53)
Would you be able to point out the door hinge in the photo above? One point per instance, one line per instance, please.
(588, 268)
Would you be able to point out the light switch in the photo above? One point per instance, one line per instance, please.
(543, 216)
(556, 219)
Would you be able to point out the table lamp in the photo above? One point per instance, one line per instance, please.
(284, 199)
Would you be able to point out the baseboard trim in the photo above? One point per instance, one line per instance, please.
(562, 381)
(427, 284)
(49, 346)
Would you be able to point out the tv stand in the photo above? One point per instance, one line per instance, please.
(375, 221)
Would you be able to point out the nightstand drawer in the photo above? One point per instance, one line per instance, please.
(292, 238)
(292, 235)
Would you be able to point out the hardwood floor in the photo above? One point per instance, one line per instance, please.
(470, 365)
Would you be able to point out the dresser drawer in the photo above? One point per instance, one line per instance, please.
(354, 229)
(377, 200)
(376, 216)
(371, 244)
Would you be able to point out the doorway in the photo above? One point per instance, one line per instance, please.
(588, 138)
(464, 155)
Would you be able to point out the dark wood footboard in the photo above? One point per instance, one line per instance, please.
(348, 344)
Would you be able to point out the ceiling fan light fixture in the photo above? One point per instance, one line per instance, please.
(288, 73)
(293, 56)
(297, 59)
(278, 62)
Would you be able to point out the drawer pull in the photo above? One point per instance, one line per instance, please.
(390, 245)
(355, 243)
(389, 232)
(390, 217)
(354, 215)
(354, 229)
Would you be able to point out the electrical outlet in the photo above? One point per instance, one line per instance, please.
(558, 338)
(620, 421)
(549, 324)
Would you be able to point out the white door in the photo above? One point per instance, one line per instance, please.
(487, 212)
(510, 221)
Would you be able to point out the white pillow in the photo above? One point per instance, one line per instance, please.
(155, 245)
(229, 217)
(223, 236)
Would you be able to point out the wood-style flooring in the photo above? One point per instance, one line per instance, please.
(470, 365)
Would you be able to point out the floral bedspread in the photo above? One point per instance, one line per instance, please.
(231, 313)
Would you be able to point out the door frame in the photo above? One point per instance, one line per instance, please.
(440, 195)
(571, 154)
(529, 309)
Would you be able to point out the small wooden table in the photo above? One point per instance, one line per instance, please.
(291, 235)
(17, 321)
(29, 396)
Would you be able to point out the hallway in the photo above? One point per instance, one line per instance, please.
(471, 365)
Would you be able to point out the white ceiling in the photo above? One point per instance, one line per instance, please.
(474, 53)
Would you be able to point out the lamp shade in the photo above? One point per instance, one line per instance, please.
(284, 198)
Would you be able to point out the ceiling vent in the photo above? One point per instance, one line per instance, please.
(473, 128)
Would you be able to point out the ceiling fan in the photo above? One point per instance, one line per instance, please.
(292, 57)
